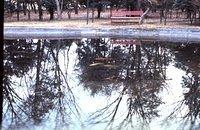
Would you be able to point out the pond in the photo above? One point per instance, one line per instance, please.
(101, 83)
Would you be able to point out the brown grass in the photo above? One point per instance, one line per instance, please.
(79, 21)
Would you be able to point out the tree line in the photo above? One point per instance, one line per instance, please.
(191, 8)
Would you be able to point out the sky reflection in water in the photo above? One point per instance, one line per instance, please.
(100, 84)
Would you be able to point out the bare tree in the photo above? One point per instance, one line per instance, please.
(58, 9)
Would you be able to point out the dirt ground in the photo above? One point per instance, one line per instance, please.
(79, 20)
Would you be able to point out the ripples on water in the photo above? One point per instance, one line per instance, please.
(97, 84)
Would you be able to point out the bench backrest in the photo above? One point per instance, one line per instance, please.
(123, 13)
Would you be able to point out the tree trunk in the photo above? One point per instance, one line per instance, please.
(29, 14)
(110, 12)
(171, 14)
(199, 13)
(99, 13)
(191, 17)
(195, 15)
(33, 7)
(161, 15)
(61, 6)
(76, 7)
(165, 17)
(40, 9)
(143, 16)
(69, 14)
(177, 13)
(87, 11)
(99, 9)
(24, 8)
(138, 5)
(51, 12)
(92, 15)
(17, 10)
(58, 9)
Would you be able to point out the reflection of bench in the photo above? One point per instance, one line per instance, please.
(125, 41)
(123, 16)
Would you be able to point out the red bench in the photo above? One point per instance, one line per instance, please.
(124, 16)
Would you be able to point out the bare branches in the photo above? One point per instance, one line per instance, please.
(63, 97)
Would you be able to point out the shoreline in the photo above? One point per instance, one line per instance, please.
(76, 29)
(157, 34)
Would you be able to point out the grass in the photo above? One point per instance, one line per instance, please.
(79, 21)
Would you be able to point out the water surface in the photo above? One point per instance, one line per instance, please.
(97, 84)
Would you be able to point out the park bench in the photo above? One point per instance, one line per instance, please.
(124, 16)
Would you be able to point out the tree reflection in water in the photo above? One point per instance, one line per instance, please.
(19, 57)
(187, 59)
(46, 83)
(134, 73)
(140, 69)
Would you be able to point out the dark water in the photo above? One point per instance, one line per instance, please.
(97, 84)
